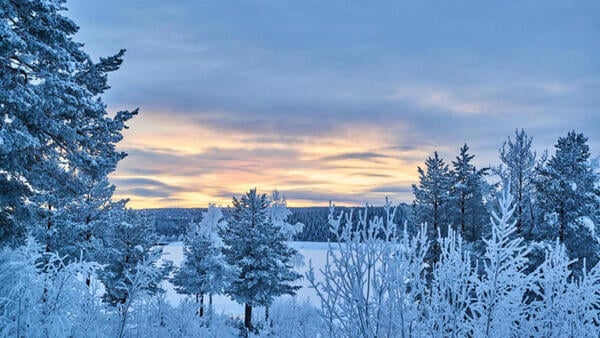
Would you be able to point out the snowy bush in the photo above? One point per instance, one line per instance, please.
(290, 318)
(374, 284)
(42, 299)
(448, 303)
(372, 279)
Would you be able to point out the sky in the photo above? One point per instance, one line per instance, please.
(334, 100)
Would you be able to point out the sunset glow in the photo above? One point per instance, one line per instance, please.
(333, 100)
(189, 165)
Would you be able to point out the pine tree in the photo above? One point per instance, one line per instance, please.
(56, 133)
(204, 270)
(432, 194)
(569, 199)
(129, 246)
(257, 251)
(518, 162)
(468, 212)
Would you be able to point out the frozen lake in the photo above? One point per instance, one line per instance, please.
(313, 251)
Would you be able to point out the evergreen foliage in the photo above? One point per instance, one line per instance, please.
(432, 198)
(129, 246)
(518, 165)
(469, 215)
(255, 248)
(204, 270)
(58, 141)
(569, 199)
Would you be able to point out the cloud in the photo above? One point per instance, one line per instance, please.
(145, 187)
(146, 182)
(143, 192)
(354, 156)
(392, 189)
(331, 99)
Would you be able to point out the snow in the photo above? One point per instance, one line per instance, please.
(313, 251)
(587, 223)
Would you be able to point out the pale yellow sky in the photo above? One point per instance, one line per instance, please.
(176, 162)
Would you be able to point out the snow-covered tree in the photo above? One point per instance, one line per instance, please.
(372, 283)
(563, 305)
(500, 289)
(128, 245)
(256, 250)
(551, 310)
(518, 165)
(279, 214)
(204, 270)
(468, 213)
(36, 304)
(570, 200)
(449, 300)
(56, 133)
(432, 203)
(432, 194)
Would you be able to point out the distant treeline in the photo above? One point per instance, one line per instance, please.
(171, 223)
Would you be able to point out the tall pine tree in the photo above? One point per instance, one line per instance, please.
(255, 247)
(56, 134)
(570, 199)
(518, 164)
(432, 195)
(468, 212)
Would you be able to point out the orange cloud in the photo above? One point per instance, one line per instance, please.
(174, 161)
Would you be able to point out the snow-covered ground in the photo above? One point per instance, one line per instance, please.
(311, 251)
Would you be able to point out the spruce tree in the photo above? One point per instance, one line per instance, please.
(255, 247)
(518, 164)
(432, 195)
(469, 214)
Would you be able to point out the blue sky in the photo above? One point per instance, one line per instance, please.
(335, 99)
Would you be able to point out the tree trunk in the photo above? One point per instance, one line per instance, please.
(463, 215)
(435, 218)
(248, 316)
(201, 311)
(561, 225)
(520, 204)
(48, 226)
(531, 214)
(267, 314)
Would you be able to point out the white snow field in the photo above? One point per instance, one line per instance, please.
(313, 251)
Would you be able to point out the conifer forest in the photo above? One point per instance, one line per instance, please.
(273, 184)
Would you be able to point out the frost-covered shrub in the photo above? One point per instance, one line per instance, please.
(42, 299)
(374, 285)
(290, 318)
(500, 289)
(373, 278)
(448, 302)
